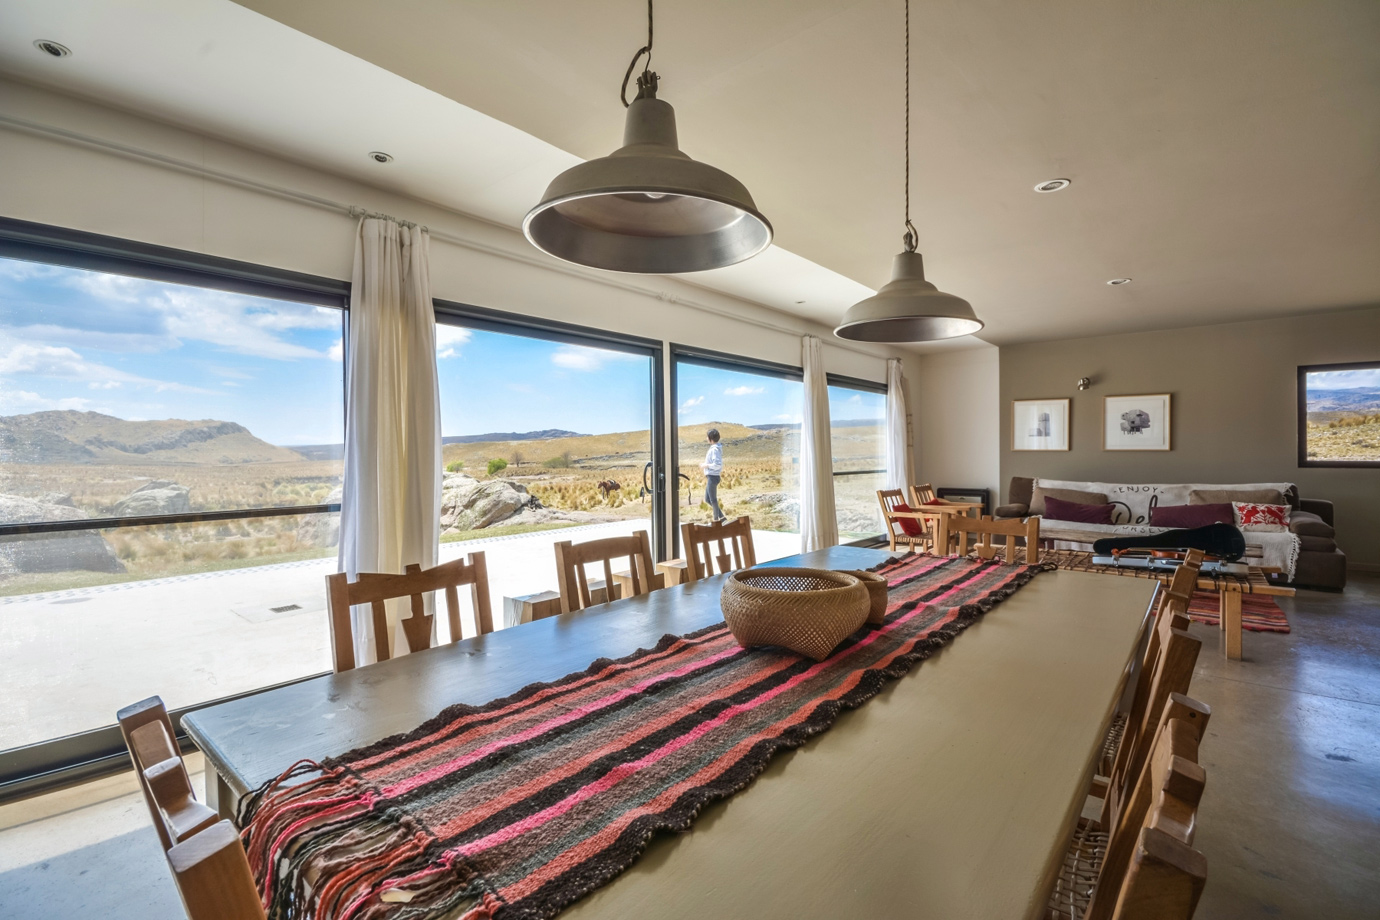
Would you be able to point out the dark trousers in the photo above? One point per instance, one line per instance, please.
(711, 495)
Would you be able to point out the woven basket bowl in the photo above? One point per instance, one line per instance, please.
(876, 589)
(809, 611)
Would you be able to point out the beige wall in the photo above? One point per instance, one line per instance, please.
(85, 185)
(1233, 412)
(954, 404)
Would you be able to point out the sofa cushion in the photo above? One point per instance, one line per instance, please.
(1037, 500)
(1013, 510)
(1191, 515)
(1056, 509)
(1308, 524)
(1317, 544)
(1219, 496)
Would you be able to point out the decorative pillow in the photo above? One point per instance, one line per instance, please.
(910, 526)
(1037, 499)
(1261, 518)
(1191, 515)
(1222, 496)
(1057, 509)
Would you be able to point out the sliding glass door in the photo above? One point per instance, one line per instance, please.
(549, 433)
(857, 423)
(170, 461)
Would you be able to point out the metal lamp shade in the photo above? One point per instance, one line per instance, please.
(647, 207)
(908, 309)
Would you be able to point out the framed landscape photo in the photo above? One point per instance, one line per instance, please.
(1039, 424)
(1339, 414)
(1136, 422)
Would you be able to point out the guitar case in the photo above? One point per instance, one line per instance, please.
(1221, 540)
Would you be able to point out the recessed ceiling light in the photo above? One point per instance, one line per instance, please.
(1116, 281)
(48, 46)
(800, 301)
(378, 156)
(1053, 185)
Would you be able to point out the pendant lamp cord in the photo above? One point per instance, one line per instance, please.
(911, 238)
(647, 77)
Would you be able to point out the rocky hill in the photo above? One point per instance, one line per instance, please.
(90, 437)
(1351, 399)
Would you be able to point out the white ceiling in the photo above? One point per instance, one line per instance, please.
(1224, 155)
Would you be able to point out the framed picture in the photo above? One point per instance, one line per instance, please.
(1039, 424)
(1136, 422)
(1339, 414)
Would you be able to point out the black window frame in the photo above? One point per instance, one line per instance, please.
(56, 762)
(487, 319)
(1302, 408)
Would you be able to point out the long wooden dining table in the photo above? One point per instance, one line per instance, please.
(951, 794)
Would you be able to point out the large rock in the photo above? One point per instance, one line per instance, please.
(155, 497)
(321, 529)
(468, 504)
(51, 552)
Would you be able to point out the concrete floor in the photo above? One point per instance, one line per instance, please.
(1290, 822)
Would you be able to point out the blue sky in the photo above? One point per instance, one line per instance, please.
(137, 349)
(1343, 380)
(708, 394)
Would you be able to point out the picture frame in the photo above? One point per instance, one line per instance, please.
(1136, 422)
(1040, 424)
(1339, 415)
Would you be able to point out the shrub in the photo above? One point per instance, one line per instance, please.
(455, 466)
(558, 463)
(497, 465)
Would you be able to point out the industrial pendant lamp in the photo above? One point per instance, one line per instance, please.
(908, 308)
(647, 207)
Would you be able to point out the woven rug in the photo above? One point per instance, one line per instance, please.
(1259, 612)
(514, 809)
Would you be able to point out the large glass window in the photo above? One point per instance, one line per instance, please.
(156, 442)
(544, 438)
(757, 415)
(857, 420)
(1339, 415)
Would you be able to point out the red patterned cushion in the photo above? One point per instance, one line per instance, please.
(911, 526)
(1060, 510)
(1261, 518)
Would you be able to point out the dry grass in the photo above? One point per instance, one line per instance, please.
(1350, 438)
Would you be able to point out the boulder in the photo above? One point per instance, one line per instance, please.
(321, 529)
(51, 552)
(155, 497)
(468, 504)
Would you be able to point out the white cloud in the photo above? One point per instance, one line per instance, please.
(239, 324)
(744, 391)
(787, 418)
(691, 403)
(16, 402)
(856, 399)
(337, 350)
(584, 358)
(64, 363)
(448, 338)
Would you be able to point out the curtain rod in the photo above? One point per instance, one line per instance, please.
(255, 185)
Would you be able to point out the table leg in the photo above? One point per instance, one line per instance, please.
(1231, 624)
(219, 798)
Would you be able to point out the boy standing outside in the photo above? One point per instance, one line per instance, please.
(713, 467)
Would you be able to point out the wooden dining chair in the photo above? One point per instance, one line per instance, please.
(375, 589)
(908, 526)
(213, 876)
(922, 493)
(1121, 872)
(571, 558)
(163, 778)
(984, 529)
(728, 543)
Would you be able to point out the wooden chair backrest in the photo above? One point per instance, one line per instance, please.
(889, 499)
(985, 528)
(921, 493)
(213, 876)
(732, 548)
(1141, 875)
(572, 557)
(148, 733)
(375, 588)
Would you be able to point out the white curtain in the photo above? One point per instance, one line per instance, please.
(390, 510)
(819, 525)
(898, 450)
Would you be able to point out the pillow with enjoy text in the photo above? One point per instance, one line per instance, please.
(1261, 518)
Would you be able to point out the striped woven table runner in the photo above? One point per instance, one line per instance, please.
(516, 808)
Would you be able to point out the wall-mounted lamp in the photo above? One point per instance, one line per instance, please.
(1084, 383)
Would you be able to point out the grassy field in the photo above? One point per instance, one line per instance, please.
(1343, 436)
(563, 473)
